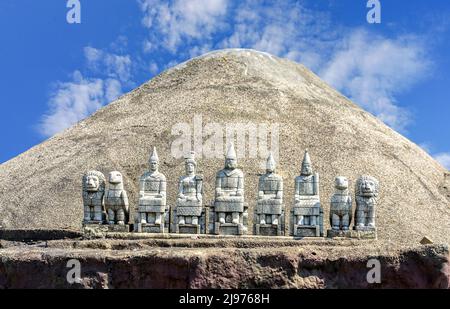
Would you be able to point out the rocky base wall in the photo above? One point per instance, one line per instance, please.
(224, 263)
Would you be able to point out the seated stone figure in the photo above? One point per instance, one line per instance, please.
(366, 191)
(307, 211)
(269, 208)
(152, 197)
(116, 200)
(341, 206)
(93, 197)
(190, 195)
(229, 197)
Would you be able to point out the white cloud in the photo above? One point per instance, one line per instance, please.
(92, 55)
(153, 67)
(444, 159)
(286, 29)
(191, 28)
(372, 70)
(75, 100)
(114, 66)
(113, 89)
(181, 20)
(427, 147)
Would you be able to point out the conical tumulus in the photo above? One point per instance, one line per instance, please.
(41, 188)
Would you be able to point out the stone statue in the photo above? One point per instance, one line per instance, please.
(152, 199)
(93, 197)
(116, 200)
(307, 211)
(190, 198)
(366, 191)
(269, 209)
(341, 206)
(229, 198)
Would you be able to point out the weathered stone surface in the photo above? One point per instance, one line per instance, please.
(366, 190)
(341, 206)
(371, 234)
(189, 214)
(225, 263)
(229, 205)
(152, 209)
(307, 213)
(231, 86)
(269, 212)
(25, 235)
(116, 201)
(426, 241)
(445, 186)
(93, 197)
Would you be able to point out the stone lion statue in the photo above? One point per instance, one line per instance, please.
(366, 191)
(116, 200)
(341, 206)
(93, 197)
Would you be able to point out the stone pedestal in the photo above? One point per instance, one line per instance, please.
(98, 228)
(154, 228)
(150, 228)
(306, 231)
(92, 223)
(116, 228)
(217, 228)
(94, 227)
(230, 229)
(105, 228)
(269, 230)
(189, 228)
(354, 234)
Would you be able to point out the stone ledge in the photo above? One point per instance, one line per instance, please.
(26, 235)
(284, 267)
(352, 234)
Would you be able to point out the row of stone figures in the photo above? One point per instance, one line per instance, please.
(228, 214)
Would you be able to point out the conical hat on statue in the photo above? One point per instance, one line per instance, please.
(271, 164)
(154, 156)
(231, 153)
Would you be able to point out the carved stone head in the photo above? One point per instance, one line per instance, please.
(341, 183)
(231, 158)
(270, 164)
(93, 181)
(306, 165)
(367, 186)
(154, 161)
(190, 163)
(115, 178)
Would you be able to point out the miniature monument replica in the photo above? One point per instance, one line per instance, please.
(230, 214)
(414, 202)
(152, 210)
(366, 191)
(189, 214)
(116, 204)
(93, 194)
(340, 210)
(307, 213)
(269, 212)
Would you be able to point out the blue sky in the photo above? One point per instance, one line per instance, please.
(53, 74)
